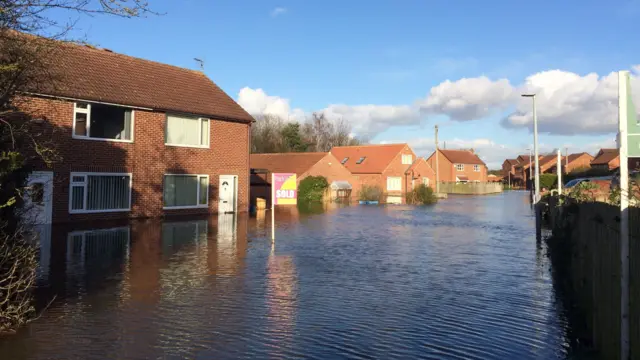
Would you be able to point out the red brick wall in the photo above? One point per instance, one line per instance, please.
(473, 175)
(397, 169)
(446, 172)
(421, 170)
(147, 158)
(331, 168)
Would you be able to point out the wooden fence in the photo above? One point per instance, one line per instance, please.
(470, 188)
(588, 234)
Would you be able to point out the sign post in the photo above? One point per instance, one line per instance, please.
(629, 144)
(284, 191)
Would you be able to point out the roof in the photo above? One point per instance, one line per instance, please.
(462, 157)
(87, 73)
(605, 156)
(512, 162)
(417, 163)
(340, 185)
(462, 178)
(376, 157)
(548, 158)
(296, 163)
(574, 157)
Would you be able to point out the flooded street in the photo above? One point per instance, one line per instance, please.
(463, 279)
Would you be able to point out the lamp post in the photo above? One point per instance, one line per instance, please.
(535, 148)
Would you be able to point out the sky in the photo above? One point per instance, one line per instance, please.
(395, 69)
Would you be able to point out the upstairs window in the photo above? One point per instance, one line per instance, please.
(460, 167)
(344, 161)
(361, 160)
(102, 122)
(407, 159)
(187, 131)
(476, 168)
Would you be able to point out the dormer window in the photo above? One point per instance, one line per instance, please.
(361, 160)
(344, 161)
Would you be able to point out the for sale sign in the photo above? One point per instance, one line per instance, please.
(285, 190)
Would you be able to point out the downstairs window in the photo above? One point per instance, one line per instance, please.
(99, 192)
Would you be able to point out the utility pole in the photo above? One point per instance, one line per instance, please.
(535, 148)
(437, 168)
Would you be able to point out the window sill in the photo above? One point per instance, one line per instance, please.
(185, 207)
(188, 146)
(97, 211)
(100, 139)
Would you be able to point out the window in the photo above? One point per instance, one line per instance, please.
(99, 192)
(344, 161)
(407, 159)
(187, 131)
(476, 168)
(102, 122)
(186, 191)
(394, 184)
(460, 167)
(361, 160)
(425, 181)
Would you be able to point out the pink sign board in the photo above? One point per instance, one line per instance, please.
(285, 189)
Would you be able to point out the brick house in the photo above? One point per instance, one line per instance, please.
(509, 173)
(606, 159)
(137, 138)
(420, 172)
(302, 164)
(459, 166)
(386, 166)
(577, 161)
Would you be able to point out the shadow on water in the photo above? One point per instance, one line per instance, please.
(463, 279)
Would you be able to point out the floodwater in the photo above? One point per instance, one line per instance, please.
(464, 279)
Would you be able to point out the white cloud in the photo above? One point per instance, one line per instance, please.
(257, 102)
(468, 98)
(278, 11)
(568, 103)
(369, 120)
(365, 120)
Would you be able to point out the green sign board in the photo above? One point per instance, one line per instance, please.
(633, 127)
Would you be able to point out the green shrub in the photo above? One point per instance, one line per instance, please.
(547, 181)
(421, 195)
(370, 193)
(312, 188)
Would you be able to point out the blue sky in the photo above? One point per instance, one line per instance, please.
(381, 65)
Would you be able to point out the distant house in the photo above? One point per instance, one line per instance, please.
(495, 178)
(606, 159)
(509, 173)
(421, 173)
(302, 164)
(387, 166)
(577, 161)
(459, 166)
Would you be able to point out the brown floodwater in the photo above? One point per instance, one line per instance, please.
(464, 279)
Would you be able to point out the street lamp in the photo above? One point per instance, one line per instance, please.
(535, 147)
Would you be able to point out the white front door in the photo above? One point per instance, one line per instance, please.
(38, 198)
(228, 194)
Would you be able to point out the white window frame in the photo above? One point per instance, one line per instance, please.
(399, 183)
(425, 181)
(84, 184)
(407, 156)
(87, 111)
(166, 128)
(198, 206)
(476, 168)
(459, 167)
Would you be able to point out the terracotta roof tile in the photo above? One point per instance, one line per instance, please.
(87, 73)
(512, 162)
(605, 156)
(376, 157)
(574, 157)
(462, 157)
(286, 162)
